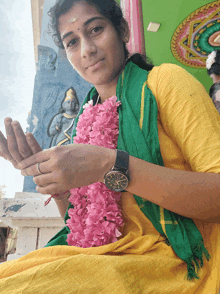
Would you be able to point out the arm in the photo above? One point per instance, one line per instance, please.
(190, 194)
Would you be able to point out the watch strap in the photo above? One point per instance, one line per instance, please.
(122, 160)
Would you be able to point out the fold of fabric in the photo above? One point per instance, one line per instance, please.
(132, 10)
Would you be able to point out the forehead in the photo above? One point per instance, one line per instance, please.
(76, 16)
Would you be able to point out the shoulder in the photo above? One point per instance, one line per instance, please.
(187, 115)
(170, 81)
(165, 68)
(170, 72)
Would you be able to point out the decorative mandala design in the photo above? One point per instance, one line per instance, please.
(197, 36)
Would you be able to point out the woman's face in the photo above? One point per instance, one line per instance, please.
(92, 44)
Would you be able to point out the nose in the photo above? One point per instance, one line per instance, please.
(88, 48)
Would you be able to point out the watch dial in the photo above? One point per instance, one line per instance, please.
(116, 181)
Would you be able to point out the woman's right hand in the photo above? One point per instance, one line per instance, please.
(17, 146)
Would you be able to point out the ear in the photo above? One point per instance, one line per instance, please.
(124, 31)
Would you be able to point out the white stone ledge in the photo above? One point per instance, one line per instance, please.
(37, 222)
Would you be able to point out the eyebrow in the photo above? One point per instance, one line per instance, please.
(85, 24)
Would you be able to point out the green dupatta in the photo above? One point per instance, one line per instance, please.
(138, 135)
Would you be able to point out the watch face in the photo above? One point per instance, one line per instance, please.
(116, 181)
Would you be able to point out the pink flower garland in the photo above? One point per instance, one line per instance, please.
(96, 217)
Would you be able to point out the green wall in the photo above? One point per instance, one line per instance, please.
(169, 14)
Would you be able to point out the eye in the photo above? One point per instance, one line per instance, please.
(96, 30)
(73, 42)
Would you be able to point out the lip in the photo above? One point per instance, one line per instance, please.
(96, 64)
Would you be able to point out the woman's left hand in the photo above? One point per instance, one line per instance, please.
(66, 167)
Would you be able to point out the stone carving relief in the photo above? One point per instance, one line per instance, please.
(61, 125)
(53, 106)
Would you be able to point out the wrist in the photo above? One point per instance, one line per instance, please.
(58, 197)
(108, 162)
(117, 178)
(62, 196)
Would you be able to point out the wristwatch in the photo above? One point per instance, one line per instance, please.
(117, 179)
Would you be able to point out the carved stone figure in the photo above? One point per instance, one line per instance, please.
(60, 126)
(47, 58)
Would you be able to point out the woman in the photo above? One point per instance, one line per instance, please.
(165, 118)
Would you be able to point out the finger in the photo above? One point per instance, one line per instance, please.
(32, 142)
(4, 150)
(21, 140)
(11, 141)
(49, 189)
(34, 159)
(36, 169)
(44, 180)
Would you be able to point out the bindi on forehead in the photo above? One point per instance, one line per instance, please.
(73, 19)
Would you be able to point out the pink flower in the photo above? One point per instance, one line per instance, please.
(96, 218)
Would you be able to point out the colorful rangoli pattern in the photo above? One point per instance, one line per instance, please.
(197, 36)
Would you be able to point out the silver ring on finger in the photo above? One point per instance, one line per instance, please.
(38, 168)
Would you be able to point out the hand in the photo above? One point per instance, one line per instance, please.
(17, 146)
(68, 166)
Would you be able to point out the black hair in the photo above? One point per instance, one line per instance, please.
(215, 68)
(108, 8)
(214, 88)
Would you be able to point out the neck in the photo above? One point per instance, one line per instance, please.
(108, 90)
